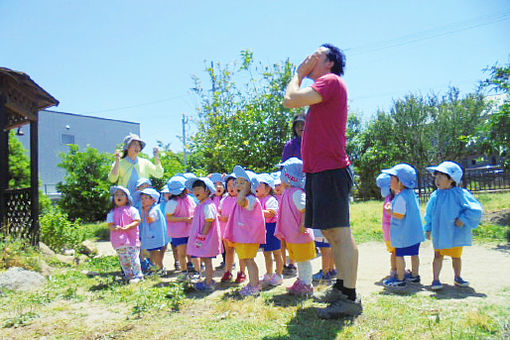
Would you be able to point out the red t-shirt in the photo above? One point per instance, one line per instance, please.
(324, 141)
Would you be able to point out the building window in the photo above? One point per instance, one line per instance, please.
(67, 139)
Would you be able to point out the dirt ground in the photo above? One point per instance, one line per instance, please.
(486, 267)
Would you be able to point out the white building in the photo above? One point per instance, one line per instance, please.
(58, 129)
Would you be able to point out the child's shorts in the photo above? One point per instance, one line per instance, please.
(159, 248)
(177, 241)
(319, 244)
(408, 251)
(272, 242)
(455, 252)
(246, 250)
(300, 252)
(389, 247)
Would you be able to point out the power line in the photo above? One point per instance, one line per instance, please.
(430, 34)
(138, 105)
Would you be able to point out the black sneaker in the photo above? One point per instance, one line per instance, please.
(341, 308)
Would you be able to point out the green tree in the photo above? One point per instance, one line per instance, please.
(242, 124)
(85, 190)
(19, 163)
(420, 130)
(494, 134)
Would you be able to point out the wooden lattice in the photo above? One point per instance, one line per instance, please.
(18, 221)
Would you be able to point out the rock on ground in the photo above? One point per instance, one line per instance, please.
(16, 278)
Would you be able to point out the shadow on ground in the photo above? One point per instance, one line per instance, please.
(306, 325)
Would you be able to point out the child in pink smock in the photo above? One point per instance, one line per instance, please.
(264, 185)
(290, 226)
(179, 214)
(123, 221)
(383, 182)
(225, 211)
(204, 238)
(246, 229)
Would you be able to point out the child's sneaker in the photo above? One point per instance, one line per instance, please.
(460, 282)
(227, 277)
(436, 285)
(250, 290)
(193, 275)
(266, 279)
(394, 283)
(203, 286)
(290, 270)
(319, 276)
(135, 280)
(241, 277)
(410, 278)
(331, 275)
(299, 288)
(276, 280)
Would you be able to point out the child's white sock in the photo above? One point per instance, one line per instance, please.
(305, 271)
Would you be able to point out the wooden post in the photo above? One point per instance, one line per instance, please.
(4, 158)
(34, 178)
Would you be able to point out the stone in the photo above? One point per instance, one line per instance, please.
(16, 278)
(46, 270)
(65, 259)
(69, 252)
(44, 249)
(88, 247)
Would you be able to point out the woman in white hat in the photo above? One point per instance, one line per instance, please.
(128, 167)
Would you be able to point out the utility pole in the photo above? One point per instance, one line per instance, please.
(184, 121)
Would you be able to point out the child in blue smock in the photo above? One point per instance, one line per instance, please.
(452, 213)
(406, 224)
(153, 230)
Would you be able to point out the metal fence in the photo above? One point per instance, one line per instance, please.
(488, 178)
(18, 220)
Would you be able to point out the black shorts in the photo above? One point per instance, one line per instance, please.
(327, 198)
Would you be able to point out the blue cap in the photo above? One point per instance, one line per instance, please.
(216, 177)
(266, 178)
(450, 168)
(406, 173)
(125, 190)
(176, 185)
(246, 174)
(208, 183)
(383, 181)
(151, 192)
(142, 180)
(292, 172)
(276, 177)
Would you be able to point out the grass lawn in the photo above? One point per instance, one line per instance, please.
(73, 305)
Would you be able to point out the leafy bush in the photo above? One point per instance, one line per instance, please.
(58, 232)
(18, 253)
(85, 190)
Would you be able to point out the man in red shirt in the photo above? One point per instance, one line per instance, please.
(326, 164)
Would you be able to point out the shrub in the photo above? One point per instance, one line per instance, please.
(18, 253)
(58, 232)
(85, 190)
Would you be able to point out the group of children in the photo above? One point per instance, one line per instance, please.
(202, 217)
(451, 214)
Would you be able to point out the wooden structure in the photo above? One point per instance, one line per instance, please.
(20, 101)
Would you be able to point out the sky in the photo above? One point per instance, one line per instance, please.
(134, 60)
